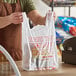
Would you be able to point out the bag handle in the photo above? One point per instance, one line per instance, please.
(49, 19)
(25, 20)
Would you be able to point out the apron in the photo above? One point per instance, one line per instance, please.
(10, 36)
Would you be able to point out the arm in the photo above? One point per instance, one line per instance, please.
(36, 17)
(15, 18)
(4, 21)
(32, 13)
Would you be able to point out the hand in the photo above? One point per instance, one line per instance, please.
(44, 18)
(50, 13)
(16, 18)
(54, 16)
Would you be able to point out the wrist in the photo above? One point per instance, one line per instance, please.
(9, 19)
(4, 21)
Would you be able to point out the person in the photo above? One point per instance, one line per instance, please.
(10, 24)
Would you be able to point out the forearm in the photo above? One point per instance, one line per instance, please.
(40, 20)
(4, 21)
(36, 18)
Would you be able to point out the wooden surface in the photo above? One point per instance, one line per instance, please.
(63, 70)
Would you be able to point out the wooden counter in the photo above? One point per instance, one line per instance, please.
(64, 70)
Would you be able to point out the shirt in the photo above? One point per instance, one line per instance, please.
(26, 5)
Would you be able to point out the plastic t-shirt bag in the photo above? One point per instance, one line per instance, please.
(39, 45)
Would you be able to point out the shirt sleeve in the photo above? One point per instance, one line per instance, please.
(28, 6)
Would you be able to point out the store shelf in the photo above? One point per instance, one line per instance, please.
(63, 3)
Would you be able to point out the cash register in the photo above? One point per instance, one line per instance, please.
(69, 52)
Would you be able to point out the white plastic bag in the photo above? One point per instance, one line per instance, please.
(39, 45)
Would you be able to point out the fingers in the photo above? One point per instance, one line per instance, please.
(17, 14)
(50, 13)
(16, 17)
(55, 16)
(19, 18)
